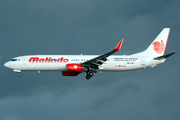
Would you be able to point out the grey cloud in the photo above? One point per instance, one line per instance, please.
(115, 93)
(13, 117)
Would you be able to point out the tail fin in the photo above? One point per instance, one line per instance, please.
(158, 46)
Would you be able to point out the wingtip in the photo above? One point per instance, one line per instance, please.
(119, 45)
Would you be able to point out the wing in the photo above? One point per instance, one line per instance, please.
(97, 61)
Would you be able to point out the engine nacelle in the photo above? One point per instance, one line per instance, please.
(69, 73)
(74, 67)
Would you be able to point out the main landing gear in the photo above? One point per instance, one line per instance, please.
(89, 74)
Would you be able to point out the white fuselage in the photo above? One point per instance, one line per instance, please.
(59, 62)
(72, 65)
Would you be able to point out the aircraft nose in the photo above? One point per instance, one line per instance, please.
(7, 64)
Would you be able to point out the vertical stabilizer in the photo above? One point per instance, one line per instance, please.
(158, 46)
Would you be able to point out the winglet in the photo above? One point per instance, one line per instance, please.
(119, 45)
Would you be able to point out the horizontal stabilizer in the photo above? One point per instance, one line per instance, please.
(164, 56)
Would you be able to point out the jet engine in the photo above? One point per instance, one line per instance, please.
(74, 67)
(72, 70)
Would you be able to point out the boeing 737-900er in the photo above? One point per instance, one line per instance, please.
(72, 65)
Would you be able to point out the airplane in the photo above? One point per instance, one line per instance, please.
(72, 65)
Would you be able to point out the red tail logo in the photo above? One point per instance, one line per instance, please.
(158, 47)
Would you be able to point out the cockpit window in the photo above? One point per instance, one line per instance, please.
(14, 60)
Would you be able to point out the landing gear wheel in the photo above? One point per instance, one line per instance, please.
(20, 75)
(88, 77)
(91, 74)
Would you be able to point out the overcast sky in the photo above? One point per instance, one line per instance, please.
(89, 27)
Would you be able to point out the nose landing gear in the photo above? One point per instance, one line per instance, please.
(20, 75)
(18, 71)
